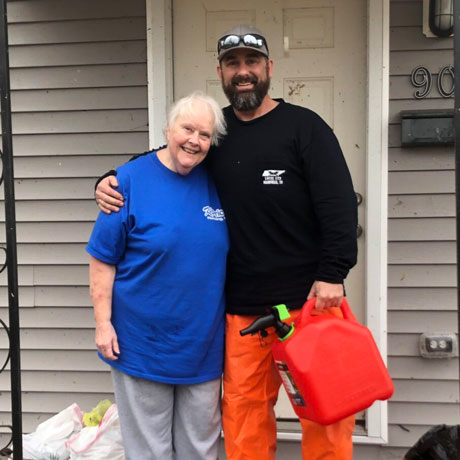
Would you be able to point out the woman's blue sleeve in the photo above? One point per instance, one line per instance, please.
(108, 238)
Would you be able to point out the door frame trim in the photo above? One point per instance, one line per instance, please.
(160, 71)
(377, 196)
(160, 96)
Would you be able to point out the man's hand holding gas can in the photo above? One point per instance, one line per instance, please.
(327, 295)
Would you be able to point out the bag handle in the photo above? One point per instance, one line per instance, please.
(307, 317)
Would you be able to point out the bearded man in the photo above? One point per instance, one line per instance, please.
(291, 214)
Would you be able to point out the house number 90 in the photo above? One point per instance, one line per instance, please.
(421, 78)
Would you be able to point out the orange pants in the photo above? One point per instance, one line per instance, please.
(251, 385)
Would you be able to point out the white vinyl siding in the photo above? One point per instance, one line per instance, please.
(79, 103)
(422, 248)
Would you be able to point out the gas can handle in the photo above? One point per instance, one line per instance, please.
(309, 305)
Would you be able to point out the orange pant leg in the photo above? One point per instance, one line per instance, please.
(251, 385)
(331, 442)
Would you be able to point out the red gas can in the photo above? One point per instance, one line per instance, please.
(331, 367)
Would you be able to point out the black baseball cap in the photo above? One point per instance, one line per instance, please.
(242, 36)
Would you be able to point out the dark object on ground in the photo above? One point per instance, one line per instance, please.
(442, 442)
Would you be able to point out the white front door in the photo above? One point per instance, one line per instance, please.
(319, 53)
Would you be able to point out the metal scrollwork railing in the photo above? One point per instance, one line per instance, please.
(7, 177)
(5, 327)
(6, 451)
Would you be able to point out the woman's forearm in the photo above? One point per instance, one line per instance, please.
(101, 279)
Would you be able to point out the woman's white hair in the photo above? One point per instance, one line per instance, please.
(186, 107)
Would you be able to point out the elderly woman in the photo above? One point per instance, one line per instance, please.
(157, 275)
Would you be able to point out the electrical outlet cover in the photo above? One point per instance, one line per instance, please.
(438, 345)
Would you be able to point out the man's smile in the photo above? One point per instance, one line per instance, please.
(244, 83)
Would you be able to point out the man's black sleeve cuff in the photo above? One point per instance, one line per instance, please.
(112, 172)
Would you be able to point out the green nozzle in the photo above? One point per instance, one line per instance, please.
(283, 312)
(282, 339)
(283, 330)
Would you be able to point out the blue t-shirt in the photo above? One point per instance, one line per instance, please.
(169, 243)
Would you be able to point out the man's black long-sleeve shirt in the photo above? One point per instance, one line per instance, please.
(290, 207)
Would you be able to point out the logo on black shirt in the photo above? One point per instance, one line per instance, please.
(273, 176)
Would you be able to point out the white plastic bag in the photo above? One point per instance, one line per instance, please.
(102, 442)
(48, 440)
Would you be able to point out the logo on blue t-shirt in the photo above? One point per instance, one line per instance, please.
(213, 214)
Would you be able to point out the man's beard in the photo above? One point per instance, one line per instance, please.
(246, 100)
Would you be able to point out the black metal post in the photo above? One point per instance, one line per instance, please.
(10, 222)
(457, 142)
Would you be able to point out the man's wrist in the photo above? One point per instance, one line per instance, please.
(325, 279)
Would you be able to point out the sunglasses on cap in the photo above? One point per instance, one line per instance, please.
(251, 40)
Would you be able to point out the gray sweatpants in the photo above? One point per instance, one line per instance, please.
(168, 422)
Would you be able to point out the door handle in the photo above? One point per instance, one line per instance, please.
(359, 228)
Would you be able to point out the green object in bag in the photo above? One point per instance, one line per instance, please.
(94, 417)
